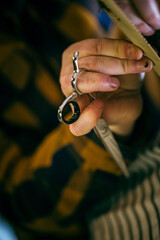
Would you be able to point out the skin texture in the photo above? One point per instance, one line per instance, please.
(144, 14)
(117, 98)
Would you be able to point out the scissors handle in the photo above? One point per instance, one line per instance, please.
(104, 133)
(69, 105)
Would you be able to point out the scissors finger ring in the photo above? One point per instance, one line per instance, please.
(69, 110)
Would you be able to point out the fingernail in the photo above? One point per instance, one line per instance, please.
(149, 32)
(145, 29)
(144, 65)
(114, 83)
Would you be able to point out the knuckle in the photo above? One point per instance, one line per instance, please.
(117, 48)
(120, 48)
(64, 55)
(125, 66)
(98, 47)
(95, 81)
(65, 82)
(88, 80)
(98, 63)
(91, 63)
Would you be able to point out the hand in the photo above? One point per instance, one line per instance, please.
(124, 106)
(144, 14)
(103, 58)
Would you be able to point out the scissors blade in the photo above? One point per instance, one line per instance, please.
(107, 138)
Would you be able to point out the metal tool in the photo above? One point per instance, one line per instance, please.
(101, 129)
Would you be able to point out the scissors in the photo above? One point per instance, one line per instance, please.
(101, 129)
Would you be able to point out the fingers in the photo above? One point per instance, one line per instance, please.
(88, 82)
(144, 14)
(102, 59)
(98, 55)
(88, 118)
(108, 65)
(151, 15)
(105, 47)
(98, 78)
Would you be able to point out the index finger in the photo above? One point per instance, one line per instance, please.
(104, 47)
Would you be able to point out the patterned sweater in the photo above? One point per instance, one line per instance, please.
(50, 179)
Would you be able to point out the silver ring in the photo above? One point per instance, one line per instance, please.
(76, 71)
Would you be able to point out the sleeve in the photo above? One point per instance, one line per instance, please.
(48, 177)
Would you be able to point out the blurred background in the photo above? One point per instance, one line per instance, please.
(6, 231)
